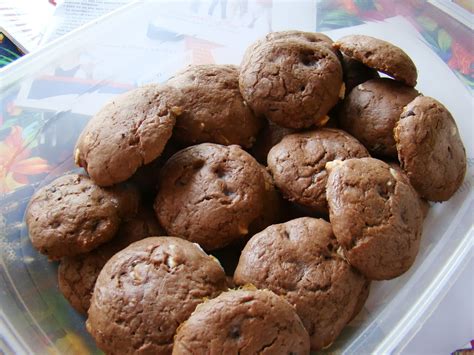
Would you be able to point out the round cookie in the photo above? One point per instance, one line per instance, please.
(315, 38)
(430, 149)
(270, 135)
(210, 194)
(128, 132)
(299, 260)
(355, 73)
(146, 290)
(291, 82)
(381, 55)
(214, 110)
(77, 274)
(298, 162)
(376, 216)
(72, 215)
(371, 111)
(243, 322)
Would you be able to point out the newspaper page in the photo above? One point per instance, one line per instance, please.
(71, 14)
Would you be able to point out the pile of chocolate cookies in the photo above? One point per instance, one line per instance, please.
(303, 172)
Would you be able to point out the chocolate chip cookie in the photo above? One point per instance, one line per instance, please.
(430, 149)
(298, 162)
(381, 55)
(299, 260)
(72, 215)
(376, 216)
(291, 82)
(214, 110)
(210, 194)
(130, 131)
(371, 111)
(146, 290)
(243, 322)
(77, 274)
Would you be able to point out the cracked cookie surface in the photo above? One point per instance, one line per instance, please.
(314, 38)
(77, 274)
(243, 322)
(298, 162)
(299, 261)
(214, 110)
(371, 111)
(210, 194)
(72, 215)
(290, 82)
(430, 149)
(381, 55)
(128, 132)
(376, 216)
(145, 291)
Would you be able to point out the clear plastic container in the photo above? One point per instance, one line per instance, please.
(49, 95)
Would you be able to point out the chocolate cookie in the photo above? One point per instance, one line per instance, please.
(315, 38)
(72, 215)
(361, 299)
(291, 82)
(147, 177)
(299, 260)
(298, 162)
(270, 135)
(214, 110)
(210, 194)
(430, 149)
(243, 322)
(371, 111)
(272, 205)
(77, 274)
(127, 133)
(146, 290)
(425, 205)
(381, 55)
(355, 73)
(376, 216)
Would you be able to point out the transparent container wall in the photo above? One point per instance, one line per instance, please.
(48, 97)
